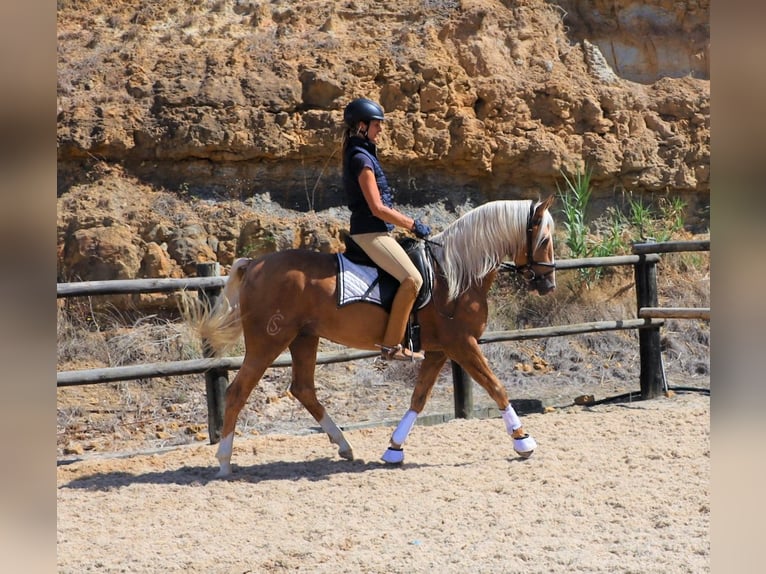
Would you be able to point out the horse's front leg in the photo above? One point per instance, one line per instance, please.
(429, 370)
(475, 364)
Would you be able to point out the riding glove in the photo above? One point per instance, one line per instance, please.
(420, 229)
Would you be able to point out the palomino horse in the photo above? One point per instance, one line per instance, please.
(288, 300)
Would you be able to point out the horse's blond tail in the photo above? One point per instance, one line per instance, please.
(220, 327)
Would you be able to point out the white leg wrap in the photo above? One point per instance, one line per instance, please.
(511, 419)
(336, 436)
(224, 455)
(403, 429)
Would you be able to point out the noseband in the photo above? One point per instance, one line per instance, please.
(527, 271)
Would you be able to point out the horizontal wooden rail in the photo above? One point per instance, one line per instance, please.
(576, 329)
(130, 286)
(674, 313)
(671, 246)
(606, 261)
(610, 261)
(188, 367)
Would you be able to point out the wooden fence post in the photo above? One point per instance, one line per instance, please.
(463, 390)
(649, 337)
(216, 379)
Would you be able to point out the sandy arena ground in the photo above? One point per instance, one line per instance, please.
(621, 487)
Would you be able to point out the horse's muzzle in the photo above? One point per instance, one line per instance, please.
(543, 285)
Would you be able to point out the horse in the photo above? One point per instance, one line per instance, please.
(287, 300)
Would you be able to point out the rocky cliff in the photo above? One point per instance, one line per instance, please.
(178, 120)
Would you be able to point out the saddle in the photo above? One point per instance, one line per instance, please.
(380, 286)
(360, 279)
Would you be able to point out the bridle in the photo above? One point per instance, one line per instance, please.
(536, 280)
(527, 270)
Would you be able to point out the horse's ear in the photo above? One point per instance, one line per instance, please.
(544, 204)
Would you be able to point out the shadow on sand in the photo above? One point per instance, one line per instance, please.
(314, 470)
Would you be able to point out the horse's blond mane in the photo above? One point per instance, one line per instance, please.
(478, 241)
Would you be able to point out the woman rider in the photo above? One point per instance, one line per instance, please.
(373, 218)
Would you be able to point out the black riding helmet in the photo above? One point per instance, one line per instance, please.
(361, 110)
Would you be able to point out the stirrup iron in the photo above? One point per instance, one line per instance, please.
(399, 353)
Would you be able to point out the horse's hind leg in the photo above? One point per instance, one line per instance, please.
(304, 352)
(236, 396)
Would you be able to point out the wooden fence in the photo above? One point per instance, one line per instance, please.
(649, 318)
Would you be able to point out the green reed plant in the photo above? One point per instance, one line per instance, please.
(612, 237)
(672, 212)
(613, 233)
(661, 223)
(574, 198)
(641, 218)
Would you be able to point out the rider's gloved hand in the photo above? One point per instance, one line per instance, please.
(420, 229)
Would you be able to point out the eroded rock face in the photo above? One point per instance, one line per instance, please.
(98, 253)
(223, 101)
(644, 41)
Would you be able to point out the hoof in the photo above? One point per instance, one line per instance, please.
(344, 449)
(347, 454)
(393, 455)
(224, 471)
(524, 446)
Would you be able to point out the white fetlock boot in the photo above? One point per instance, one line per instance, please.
(523, 446)
(393, 455)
